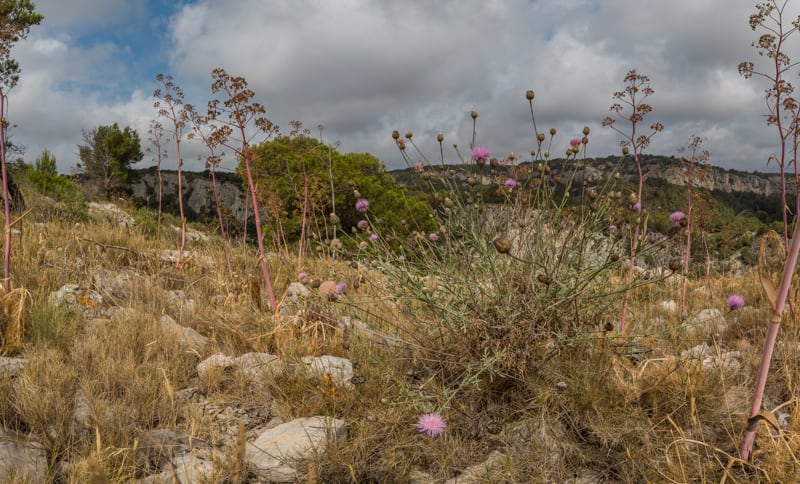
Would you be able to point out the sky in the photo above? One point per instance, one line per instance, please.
(362, 68)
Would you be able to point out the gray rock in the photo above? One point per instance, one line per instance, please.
(21, 460)
(112, 213)
(256, 366)
(340, 369)
(669, 306)
(10, 367)
(214, 363)
(81, 300)
(479, 473)
(187, 337)
(273, 454)
(708, 323)
(189, 469)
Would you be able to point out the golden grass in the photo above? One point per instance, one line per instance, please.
(648, 416)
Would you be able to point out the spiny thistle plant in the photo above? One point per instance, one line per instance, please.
(520, 266)
(169, 105)
(631, 108)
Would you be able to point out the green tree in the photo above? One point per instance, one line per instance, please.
(106, 156)
(44, 170)
(297, 172)
(16, 19)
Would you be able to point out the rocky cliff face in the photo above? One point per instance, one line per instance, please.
(762, 184)
(198, 194)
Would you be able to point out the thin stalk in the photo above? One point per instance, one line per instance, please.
(6, 199)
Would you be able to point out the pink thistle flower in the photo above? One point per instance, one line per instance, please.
(735, 301)
(340, 287)
(431, 424)
(373, 237)
(480, 153)
(433, 236)
(612, 228)
(302, 277)
(362, 204)
(418, 166)
(447, 210)
(676, 217)
(637, 207)
(575, 141)
(362, 225)
(510, 183)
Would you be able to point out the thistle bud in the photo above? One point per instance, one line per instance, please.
(440, 137)
(558, 179)
(409, 134)
(494, 163)
(471, 181)
(609, 165)
(552, 131)
(426, 175)
(586, 131)
(334, 219)
(540, 137)
(632, 198)
(585, 140)
(546, 154)
(624, 150)
(473, 114)
(502, 244)
(529, 95)
(396, 134)
(592, 194)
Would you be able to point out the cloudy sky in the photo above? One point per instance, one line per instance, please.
(361, 68)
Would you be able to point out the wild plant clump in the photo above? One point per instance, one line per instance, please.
(501, 287)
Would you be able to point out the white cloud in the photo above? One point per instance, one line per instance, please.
(364, 67)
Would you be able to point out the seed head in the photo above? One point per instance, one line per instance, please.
(334, 219)
(473, 113)
(544, 279)
(586, 131)
(471, 181)
(409, 134)
(502, 244)
(675, 264)
(624, 150)
(440, 137)
(552, 131)
(529, 95)
(540, 137)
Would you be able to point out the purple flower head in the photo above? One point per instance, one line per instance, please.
(676, 217)
(447, 210)
(418, 166)
(612, 228)
(362, 204)
(362, 225)
(735, 301)
(510, 183)
(340, 287)
(637, 207)
(431, 424)
(302, 277)
(373, 237)
(480, 153)
(401, 258)
(575, 141)
(433, 236)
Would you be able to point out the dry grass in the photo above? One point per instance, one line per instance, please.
(582, 404)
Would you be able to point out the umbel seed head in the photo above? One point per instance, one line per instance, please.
(473, 114)
(529, 95)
